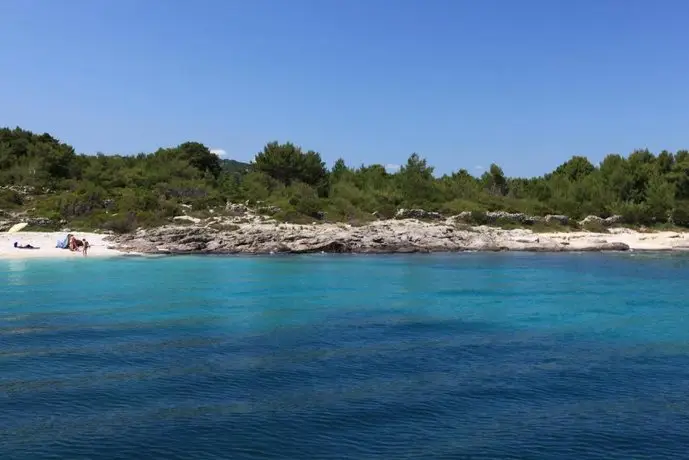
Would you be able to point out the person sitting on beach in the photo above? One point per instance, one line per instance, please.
(71, 242)
(75, 244)
(24, 246)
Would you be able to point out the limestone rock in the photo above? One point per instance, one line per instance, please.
(556, 218)
(591, 220)
(382, 236)
(417, 214)
(194, 220)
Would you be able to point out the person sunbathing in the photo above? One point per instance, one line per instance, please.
(24, 246)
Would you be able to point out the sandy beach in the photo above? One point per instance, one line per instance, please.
(637, 241)
(46, 242)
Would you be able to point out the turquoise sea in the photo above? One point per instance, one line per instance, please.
(464, 356)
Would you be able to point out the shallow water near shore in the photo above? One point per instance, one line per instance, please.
(481, 356)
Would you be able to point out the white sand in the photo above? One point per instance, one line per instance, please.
(47, 241)
(637, 241)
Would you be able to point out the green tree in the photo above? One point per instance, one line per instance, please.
(416, 181)
(575, 169)
(494, 180)
(616, 176)
(660, 198)
(339, 170)
(679, 175)
(665, 162)
(287, 163)
(200, 157)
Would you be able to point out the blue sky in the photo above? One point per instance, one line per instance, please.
(525, 84)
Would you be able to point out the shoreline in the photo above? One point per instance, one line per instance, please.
(404, 236)
(46, 242)
(116, 254)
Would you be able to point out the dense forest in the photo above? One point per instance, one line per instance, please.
(46, 177)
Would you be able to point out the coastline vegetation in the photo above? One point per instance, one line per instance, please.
(44, 177)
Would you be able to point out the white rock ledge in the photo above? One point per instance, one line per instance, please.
(384, 236)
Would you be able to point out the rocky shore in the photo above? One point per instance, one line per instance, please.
(254, 234)
(240, 229)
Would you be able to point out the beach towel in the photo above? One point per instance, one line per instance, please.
(62, 244)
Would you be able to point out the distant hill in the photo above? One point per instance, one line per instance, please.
(234, 166)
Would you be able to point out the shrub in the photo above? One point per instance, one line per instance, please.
(680, 214)
(304, 200)
(595, 227)
(122, 224)
(479, 218)
(293, 217)
(634, 213)
(10, 199)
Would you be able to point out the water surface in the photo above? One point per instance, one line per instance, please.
(482, 356)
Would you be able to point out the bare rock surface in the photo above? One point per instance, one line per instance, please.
(385, 236)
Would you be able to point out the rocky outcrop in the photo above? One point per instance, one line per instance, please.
(268, 210)
(8, 220)
(385, 236)
(246, 208)
(493, 217)
(23, 190)
(556, 219)
(237, 208)
(245, 228)
(417, 214)
(607, 222)
(613, 220)
(194, 220)
(606, 246)
(516, 217)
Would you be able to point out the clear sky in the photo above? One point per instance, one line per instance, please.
(524, 83)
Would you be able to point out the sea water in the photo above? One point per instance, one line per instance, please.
(466, 356)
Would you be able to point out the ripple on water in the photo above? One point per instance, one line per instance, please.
(493, 356)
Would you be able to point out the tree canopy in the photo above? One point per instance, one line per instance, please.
(102, 190)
